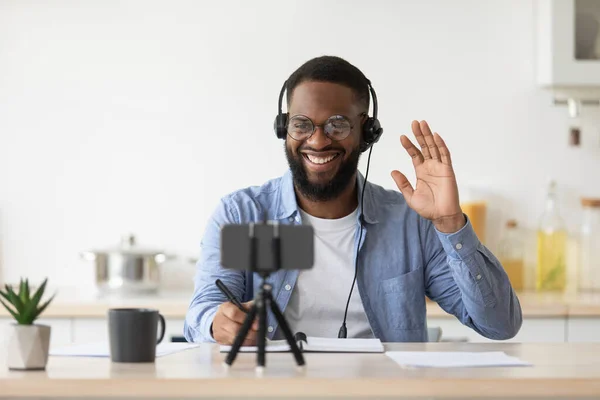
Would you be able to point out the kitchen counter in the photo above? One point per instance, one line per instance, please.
(565, 371)
(71, 304)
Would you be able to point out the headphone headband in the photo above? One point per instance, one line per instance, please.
(374, 96)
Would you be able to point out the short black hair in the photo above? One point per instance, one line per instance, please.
(330, 69)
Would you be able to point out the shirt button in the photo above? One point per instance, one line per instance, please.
(270, 329)
(478, 277)
(458, 246)
(291, 219)
(288, 287)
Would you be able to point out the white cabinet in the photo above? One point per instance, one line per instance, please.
(583, 329)
(532, 330)
(87, 330)
(60, 333)
(568, 46)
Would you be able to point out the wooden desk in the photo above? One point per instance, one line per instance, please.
(565, 370)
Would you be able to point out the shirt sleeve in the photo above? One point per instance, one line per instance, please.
(468, 281)
(207, 297)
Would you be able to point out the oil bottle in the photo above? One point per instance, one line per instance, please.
(551, 245)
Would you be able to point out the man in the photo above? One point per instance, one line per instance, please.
(401, 246)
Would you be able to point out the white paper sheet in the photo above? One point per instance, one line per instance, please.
(101, 349)
(452, 359)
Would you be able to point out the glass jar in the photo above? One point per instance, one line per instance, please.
(511, 255)
(589, 256)
(474, 205)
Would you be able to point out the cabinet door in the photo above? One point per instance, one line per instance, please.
(60, 332)
(583, 330)
(532, 330)
(568, 43)
(88, 330)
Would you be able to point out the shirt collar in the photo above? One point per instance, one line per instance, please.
(288, 206)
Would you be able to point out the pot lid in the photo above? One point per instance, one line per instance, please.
(128, 246)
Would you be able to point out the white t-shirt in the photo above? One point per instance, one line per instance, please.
(317, 303)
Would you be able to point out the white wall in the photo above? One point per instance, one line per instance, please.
(120, 116)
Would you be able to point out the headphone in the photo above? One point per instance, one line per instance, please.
(371, 129)
(371, 132)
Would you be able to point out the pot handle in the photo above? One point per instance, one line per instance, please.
(162, 257)
(88, 256)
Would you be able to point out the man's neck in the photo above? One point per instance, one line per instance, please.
(336, 208)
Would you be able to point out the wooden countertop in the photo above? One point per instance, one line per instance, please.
(67, 304)
(568, 370)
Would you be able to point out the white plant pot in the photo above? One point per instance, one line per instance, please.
(28, 346)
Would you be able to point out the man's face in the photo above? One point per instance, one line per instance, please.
(321, 166)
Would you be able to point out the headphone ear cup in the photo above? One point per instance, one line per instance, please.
(372, 131)
(280, 125)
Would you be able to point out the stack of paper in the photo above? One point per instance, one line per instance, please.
(448, 359)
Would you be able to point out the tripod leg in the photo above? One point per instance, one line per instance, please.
(286, 331)
(239, 339)
(262, 331)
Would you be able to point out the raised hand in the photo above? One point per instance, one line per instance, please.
(435, 195)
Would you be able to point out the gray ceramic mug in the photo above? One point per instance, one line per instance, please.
(133, 332)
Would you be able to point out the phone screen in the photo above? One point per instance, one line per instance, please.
(296, 251)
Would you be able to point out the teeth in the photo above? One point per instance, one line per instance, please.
(320, 160)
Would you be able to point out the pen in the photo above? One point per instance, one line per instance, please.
(230, 295)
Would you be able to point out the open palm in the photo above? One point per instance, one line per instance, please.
(435, 195)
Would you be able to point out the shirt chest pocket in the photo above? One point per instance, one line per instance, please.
(402, 301)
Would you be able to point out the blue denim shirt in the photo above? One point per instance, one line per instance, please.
(402, 260)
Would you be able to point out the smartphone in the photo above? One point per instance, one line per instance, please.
(296, 247)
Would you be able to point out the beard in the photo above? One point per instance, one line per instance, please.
(322, 191)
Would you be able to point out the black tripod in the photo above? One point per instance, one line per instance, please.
(263, 300)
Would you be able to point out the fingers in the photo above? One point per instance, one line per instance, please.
(248, 305)
(227, 333)
(411, 149)
(416, 128)
(231, 329)
(444, 152)
(433, 149)
(403, 184)
(233, 313)
(228, 321)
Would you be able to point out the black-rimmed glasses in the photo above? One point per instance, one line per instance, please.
(337, 127)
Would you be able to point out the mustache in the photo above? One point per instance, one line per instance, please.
(328, 148)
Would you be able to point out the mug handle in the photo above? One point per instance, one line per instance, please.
(162, 328)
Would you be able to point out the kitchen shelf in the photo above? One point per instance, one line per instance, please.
(568, 48)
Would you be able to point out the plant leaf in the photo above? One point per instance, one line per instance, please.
(15, 300)
(5, 295)
(29, 312)
(21, 289)
(14, 314)
(25, 297)
(37, 296)
(42, 308)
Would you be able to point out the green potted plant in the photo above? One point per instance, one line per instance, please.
(29, 342)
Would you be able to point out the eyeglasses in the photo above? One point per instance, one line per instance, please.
(337, 127)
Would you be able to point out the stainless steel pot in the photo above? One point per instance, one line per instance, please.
(127, 268)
